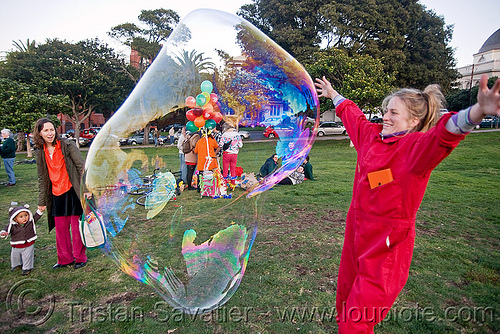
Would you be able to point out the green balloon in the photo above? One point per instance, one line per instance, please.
(210, 124)
(191, 127)
(206, 86)
(201, 100)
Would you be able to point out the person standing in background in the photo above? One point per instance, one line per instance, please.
(8, 154)
(191, 158)
(232, 140)
(171, 134)
(183, 167)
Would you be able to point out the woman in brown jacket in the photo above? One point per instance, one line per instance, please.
(191, 158)
(60, 168)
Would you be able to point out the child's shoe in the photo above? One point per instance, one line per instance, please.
(15, 268)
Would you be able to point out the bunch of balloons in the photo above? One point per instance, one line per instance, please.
(203, 112)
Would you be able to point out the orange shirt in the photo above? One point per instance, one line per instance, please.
(57, 170)
(203, 149)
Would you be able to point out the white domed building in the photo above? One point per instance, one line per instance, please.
(486, 61)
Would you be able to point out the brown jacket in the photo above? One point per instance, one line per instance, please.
(74, 167)
(191, 156)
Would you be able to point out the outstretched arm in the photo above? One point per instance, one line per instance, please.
(488, 101)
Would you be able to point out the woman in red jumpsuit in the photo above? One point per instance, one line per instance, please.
(395, 160)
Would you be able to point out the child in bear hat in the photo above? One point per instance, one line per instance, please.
(22, 232)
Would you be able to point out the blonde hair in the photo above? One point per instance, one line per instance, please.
(425, 106)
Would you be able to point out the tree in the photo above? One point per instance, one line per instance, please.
(360, 78)
(296, 25)
(411, 42)
(464, 98)
(20, 108)
(193, 66)
(88, 73)
(158, 25)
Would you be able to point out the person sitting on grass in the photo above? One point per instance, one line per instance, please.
(296, 177)
(22, 231)
(308, 169)
(269, 166)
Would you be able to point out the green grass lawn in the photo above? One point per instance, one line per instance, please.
(290, 282)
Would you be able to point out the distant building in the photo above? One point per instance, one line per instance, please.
(67, 124)
(486, 61)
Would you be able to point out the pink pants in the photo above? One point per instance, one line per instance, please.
(67, 251)
(229, 161)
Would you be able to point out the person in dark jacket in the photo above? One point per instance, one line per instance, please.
(8, 154)
(269, 166)
(22, 231)
(60, 168)
(308, 169)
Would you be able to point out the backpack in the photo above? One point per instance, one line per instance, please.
(186, 145)
(226, 146)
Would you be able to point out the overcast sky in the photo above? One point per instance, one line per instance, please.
(474, 21)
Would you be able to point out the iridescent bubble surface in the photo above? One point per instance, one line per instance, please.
(215, 68)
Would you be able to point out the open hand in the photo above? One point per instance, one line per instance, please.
(489, 99)
(325, 89)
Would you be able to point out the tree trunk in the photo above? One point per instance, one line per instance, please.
(146, 135)
(20, 141)
(77, 132)
(28, 148)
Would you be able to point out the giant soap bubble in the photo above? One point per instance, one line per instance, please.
(214, 68)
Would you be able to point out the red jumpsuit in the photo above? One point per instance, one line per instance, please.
(380, 227)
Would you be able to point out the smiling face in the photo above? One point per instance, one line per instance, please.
(22, 217)
(397, 117)
(48, 133)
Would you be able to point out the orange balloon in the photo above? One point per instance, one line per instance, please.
(199, 121)
(208, 107)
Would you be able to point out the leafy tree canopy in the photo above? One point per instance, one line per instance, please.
(411, 41)
(156, 26)
(88, 73)
(359, 78)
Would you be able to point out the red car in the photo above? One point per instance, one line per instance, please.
(270, 133)
(89, 133)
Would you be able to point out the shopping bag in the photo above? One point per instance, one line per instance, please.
(92, 230)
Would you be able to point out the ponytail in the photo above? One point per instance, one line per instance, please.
(425, 106)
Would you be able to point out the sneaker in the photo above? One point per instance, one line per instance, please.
(10, 184)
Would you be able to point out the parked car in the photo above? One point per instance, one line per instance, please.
(244, 134)
(489, 122)
(274, 131)
(376, 119)
(89, 133)
(81, 141)
(310, 121)
(270, 133)
(271, 121)
(330, 128)
(176, 126)
(165, 140)
(137, 139)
